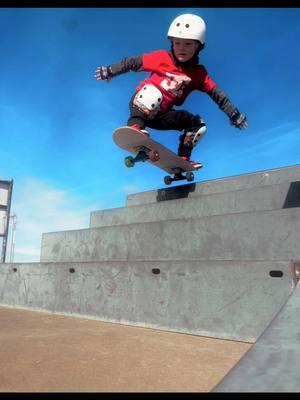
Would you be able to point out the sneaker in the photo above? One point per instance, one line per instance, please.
(195, 164)
(138, 128)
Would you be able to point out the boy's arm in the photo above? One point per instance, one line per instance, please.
(236, 118)
(134, 63)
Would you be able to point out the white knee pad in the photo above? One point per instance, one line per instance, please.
(193, 138)
(198, 135)
(148, 99)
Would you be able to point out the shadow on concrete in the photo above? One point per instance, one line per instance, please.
(177, 192)
(293, 196)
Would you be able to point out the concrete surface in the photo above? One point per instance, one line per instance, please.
(259, 235)
(231, 183)
(273, 363)
(41, 352)
(210, 258)
(221, 299)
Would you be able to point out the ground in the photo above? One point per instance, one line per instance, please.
(42, 352)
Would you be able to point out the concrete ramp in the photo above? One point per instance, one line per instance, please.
(273, 363)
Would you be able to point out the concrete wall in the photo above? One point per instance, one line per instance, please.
(224, 299)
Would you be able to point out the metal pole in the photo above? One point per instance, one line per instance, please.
(12, 244)
(4, 242)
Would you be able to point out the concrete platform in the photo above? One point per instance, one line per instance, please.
(220, 185)
(42, 352)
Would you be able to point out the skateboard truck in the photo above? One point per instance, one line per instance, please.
(179, 176)
(143, 155)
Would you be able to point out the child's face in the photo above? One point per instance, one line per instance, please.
(184, 49)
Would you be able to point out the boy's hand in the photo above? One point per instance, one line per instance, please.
(238, 120)
(103, 74)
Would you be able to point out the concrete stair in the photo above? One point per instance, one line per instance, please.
(252, 217)
(221, 185)
(264, 198)
(259, 235)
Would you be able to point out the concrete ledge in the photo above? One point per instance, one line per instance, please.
(260, 235)
(222, 299)
(269, 197)
(239, 182)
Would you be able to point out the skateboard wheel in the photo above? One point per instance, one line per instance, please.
(168, 180)
(153, 155)
(129, 162)
(189, 176)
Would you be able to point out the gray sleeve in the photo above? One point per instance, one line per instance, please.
(222, 100)
(134, 63)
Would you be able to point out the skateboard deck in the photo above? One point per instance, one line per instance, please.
(147, 149)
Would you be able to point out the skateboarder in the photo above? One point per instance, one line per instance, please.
(174, 75)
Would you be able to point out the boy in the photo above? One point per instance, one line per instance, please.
(174, 74)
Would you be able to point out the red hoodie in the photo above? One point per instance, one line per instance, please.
(175, 82)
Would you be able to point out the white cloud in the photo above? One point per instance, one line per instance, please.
(275, 144)
(131, 188)
(41, 208)
(277, 141)
(28, 252)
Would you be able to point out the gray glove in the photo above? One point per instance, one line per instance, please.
(103, 74)
(238, 120)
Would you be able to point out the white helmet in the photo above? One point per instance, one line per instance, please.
(188, 26)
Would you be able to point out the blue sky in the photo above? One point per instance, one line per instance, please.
(56, 120)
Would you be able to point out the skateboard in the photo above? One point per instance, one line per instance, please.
(146, 149)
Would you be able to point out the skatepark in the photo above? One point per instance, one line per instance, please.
(190, 288)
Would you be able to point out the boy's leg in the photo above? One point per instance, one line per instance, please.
(193, 126)
(136, 117)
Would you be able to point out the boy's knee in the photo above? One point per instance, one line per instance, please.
(196, 123)
(148, 100)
